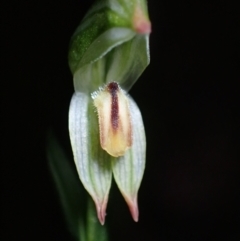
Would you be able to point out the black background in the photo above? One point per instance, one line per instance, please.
(187, 97)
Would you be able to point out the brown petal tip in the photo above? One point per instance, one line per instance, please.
(133, 207)
(134, 211)
(101, 211)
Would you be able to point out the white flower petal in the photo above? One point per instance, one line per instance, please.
(128, 169)
(92, 163)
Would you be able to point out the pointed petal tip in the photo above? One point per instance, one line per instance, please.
(133, 207)
(143, 27)
(101, 218)
(101, 211)
(141, 23)
(134, 210)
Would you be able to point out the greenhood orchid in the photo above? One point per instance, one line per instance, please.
(108, 52)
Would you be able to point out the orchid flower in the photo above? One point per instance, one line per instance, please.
(108, 52)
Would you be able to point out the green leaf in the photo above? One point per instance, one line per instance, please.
(93, 164)
(70, 191)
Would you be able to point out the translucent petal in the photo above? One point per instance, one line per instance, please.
(128, 170)
(93, 164)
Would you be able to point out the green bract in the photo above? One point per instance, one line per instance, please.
(109, 51)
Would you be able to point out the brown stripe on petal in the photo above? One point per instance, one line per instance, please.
(113, 89)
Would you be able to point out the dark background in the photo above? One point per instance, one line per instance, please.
(187, 96)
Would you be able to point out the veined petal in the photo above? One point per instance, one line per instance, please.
(92, 163)
(128, 169)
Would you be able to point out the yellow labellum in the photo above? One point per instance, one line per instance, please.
(114, 119)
